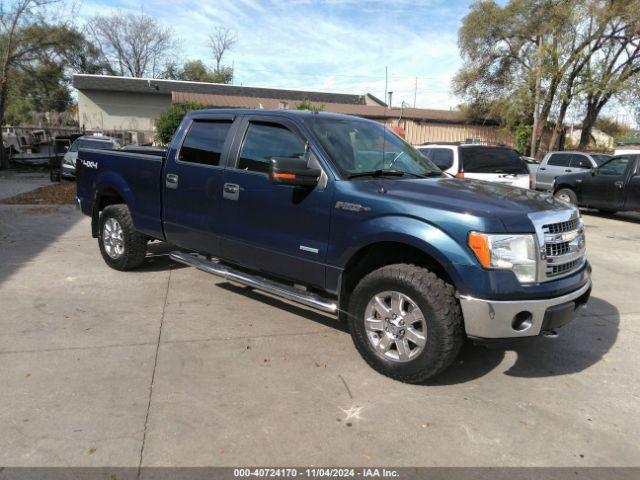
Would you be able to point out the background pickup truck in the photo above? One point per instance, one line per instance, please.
(612, 187)
(556, 164)
(339, 214)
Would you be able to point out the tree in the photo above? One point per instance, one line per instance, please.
(221, 41)
(25, 37)
(307, 105)
(537, 53)
(135, 45)
(195, 71)
(170, 119)
(616, 68)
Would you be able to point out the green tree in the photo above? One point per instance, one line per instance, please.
(537, 53)
(197, 71)
(170, 119)
(307, 105)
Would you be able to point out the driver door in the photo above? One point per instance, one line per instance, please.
(605, 187)
(278, 229)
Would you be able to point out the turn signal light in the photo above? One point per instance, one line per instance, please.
(460, 175)
(289, 176)
(479, 243)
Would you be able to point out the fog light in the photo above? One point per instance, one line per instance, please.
(522, 321)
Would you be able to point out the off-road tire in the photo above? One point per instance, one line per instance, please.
(135, 244)
(439, 306)
(573, 198)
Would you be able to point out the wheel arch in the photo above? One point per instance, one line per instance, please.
(387, 252)
(105, 196)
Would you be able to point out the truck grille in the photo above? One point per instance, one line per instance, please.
(556, 270)
(557, 249)
(562, 226)
(561, 241)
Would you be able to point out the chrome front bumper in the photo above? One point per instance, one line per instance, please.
(497, 319)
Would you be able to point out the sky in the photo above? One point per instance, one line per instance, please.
(323, 45)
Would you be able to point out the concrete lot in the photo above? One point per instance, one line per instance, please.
(169, 366)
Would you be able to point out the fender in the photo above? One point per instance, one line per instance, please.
(110, 181)
(433, 241)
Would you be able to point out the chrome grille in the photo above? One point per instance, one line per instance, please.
(561, 227)
(557, 249)
(556, 270)
(561, 243)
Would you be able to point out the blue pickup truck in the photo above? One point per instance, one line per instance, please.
(339, 214)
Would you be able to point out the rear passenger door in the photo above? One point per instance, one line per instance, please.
(277, 229)
(193, 184)
(557, 164)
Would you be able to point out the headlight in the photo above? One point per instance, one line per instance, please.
(515, 252)
(69, 161)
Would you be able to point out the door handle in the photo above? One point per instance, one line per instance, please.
(543, 168)
(171, 181)
(231, 188)
(619, 184)
(568, 170)
(230, 191)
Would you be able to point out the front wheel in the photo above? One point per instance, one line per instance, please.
(121, 246)
(567, 195)
(406, 322)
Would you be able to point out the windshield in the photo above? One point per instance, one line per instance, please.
(484, 159)
(359, 146)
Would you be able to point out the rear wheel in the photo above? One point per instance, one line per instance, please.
(406, 322)
(567, 195)
(122, 247)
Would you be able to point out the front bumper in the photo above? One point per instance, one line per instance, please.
(520, 318)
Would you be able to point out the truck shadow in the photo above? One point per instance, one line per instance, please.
(581, 344)
(158, 260)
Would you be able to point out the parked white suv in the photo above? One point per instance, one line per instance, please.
(498, 164)
(555, 164)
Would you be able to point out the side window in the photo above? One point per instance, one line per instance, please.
(559, 160)
(580, 161)
(443, 158)
(204, 141)
(264, 141)
(616, 166)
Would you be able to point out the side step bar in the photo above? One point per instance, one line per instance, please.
(259, 283)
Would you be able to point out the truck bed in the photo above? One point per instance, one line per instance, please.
(135, 177)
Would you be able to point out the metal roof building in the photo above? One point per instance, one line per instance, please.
(124, 104)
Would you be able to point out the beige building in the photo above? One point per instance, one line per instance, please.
(123, 104)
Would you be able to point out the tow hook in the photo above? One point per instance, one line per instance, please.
(550, 334)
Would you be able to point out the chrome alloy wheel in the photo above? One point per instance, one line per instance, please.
(395, 326)
(112, 238)
(564, 197)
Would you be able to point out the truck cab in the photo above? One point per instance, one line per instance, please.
(340, 214)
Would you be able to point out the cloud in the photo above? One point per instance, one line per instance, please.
(330, 45)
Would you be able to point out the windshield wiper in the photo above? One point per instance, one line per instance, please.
(377, 173)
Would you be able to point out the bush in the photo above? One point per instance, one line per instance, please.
(170, 119)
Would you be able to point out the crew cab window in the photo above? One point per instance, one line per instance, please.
(442, 157)
(580, 161)
(616, 166)
(559, 160)
(265, 141)
(492, 160)
(204, 141)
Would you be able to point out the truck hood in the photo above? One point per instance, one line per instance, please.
(478, 198)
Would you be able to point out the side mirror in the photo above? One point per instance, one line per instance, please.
(293, 172)
(594, 171)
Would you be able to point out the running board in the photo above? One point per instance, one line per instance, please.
(259, 283)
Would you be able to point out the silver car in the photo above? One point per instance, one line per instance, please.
(555, 164)
(98, 142)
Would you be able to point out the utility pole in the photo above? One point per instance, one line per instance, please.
(415, 93)
(386, 81)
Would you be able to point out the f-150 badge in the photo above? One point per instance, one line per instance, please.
(352, 207)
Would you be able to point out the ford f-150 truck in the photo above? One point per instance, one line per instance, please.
(339, 214)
